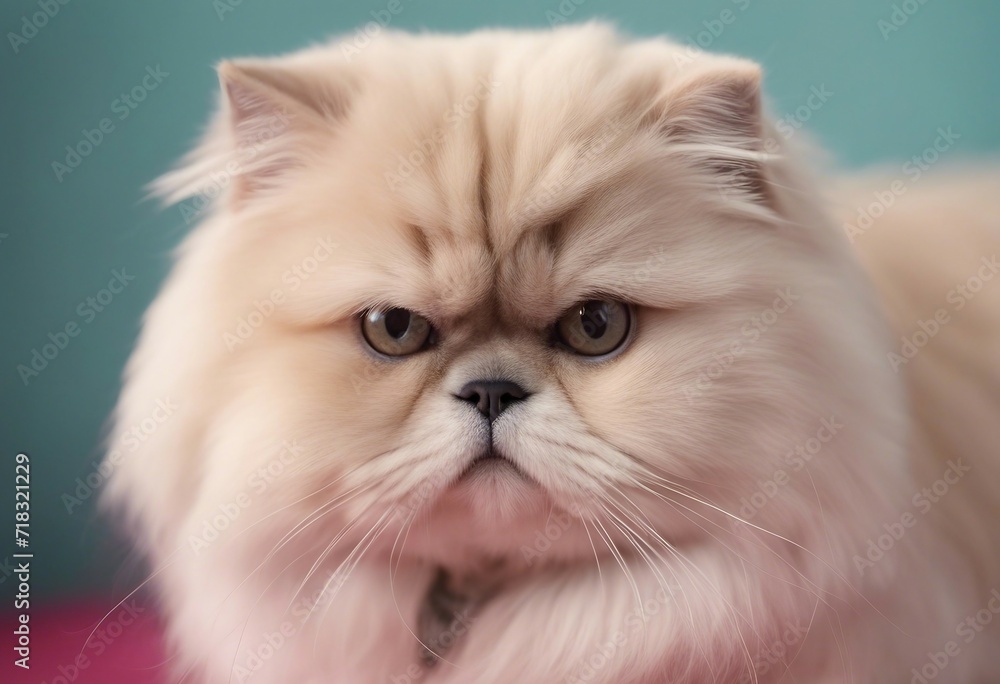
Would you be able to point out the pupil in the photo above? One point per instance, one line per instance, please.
(397, 322)
(594, 318)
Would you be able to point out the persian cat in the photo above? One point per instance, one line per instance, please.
(523, 357)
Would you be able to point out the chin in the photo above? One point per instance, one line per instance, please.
(490, 519)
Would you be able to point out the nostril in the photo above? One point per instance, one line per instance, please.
(475, 396)
(492, 397)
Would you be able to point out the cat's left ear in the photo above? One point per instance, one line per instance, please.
(713, 117)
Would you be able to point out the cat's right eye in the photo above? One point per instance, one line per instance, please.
(396, 332)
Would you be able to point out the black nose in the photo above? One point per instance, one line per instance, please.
(491, 397)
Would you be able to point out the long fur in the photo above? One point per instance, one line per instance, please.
(299, 505)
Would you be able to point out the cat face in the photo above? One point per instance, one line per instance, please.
(465, 296)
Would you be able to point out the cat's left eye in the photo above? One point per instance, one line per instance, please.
(595, 327)
(396, 332)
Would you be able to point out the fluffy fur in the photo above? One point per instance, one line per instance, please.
(306, 495)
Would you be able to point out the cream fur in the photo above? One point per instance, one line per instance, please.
(576, 165)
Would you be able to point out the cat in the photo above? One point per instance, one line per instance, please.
(541, 356)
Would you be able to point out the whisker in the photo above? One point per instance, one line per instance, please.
(392, 590)
(377, 529)
(597, 560)
(316, 515)
(167, 563)
(836, 572)
(328, 549)
(293, 503)
(674, 552)
(621, 563)
(677, 506)
(246, 622)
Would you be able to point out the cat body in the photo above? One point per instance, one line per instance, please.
(498, 506)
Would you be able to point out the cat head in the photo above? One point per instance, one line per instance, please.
(521, 296)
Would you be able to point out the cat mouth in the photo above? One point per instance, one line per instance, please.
(491, 463)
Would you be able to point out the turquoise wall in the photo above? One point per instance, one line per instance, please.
(65, 232)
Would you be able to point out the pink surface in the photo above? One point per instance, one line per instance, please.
(124, 649)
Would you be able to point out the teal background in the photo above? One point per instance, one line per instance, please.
(59, 241)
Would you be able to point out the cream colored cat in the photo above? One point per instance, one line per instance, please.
(533, 357)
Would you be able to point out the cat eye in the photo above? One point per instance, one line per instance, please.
(396, 332)
(595, 327)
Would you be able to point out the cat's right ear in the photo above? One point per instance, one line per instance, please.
(272, 115)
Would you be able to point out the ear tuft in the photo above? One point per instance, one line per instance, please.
(714, 116)
(272, 113)
(270, 108)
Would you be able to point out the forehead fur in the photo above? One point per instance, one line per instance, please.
(500, 151)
